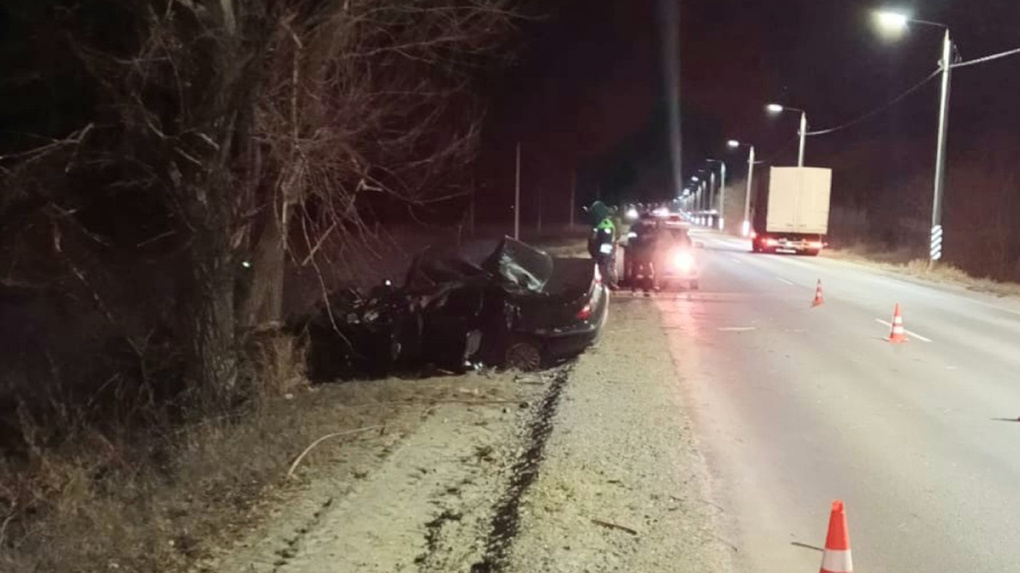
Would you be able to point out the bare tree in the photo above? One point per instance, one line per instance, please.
(260, 120)
(366, 97)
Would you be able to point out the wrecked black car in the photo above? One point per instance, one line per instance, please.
(519, 308)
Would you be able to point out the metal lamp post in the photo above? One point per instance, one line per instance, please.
(704, 188)
(899, 22)
(695, 193)
(745, 228)
(776, 108)
(711, 198)
(722, 190)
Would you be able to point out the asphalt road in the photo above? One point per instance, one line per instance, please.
(796, 406)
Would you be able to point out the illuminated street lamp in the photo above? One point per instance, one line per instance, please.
(894, 21)
(745, 228)
(776, 108)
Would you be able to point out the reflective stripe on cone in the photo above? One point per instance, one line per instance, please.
(837, 562)
(898, 334)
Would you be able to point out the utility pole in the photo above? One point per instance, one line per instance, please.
(711, 195)
(747, 198)
(517, 196)
(898, 22)
(803, 137)
(722, 191)
(940, 156)
(722, 196)
(669, 16)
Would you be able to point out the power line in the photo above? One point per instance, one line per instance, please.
(775, 155)
(916, 87)
(986, 59)
(880, 109)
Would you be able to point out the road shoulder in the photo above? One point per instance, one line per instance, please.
(623, 485)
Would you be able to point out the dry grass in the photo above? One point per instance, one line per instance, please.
(102, 501)
(905, 262)
(864, 252)
(947, 273)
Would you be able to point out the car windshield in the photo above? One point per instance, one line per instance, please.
(520, 264)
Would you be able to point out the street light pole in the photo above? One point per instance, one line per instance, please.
(899, 22)
(802, 132)
(711, 194)
(935, 251)
(746, 229)
(803, 136)
(722, 196)
(706, 188)
(722, 191)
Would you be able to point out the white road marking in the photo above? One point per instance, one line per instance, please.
(784, 281)
(736, 260)
(736, 329)
(910, 332)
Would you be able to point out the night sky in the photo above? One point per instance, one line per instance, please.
(588, 94)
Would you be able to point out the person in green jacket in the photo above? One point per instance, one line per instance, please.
(602, 241)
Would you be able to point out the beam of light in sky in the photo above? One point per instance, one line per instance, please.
(669, 20)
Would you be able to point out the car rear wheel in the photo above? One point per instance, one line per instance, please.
(523, 355)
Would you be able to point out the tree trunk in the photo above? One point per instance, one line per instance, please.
(212, 332)
(262, 303)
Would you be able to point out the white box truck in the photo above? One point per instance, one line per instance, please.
(797, 217)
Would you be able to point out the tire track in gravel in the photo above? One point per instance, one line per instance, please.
(506, 520)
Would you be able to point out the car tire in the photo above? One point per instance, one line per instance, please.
(694, 284)
(812, 252)
(523, 355)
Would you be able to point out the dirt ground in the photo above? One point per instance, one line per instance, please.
(623, 486)
(589, 467)
(411, 491)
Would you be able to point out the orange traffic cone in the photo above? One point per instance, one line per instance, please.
(836, 558)
(897, 334)
(819, 300)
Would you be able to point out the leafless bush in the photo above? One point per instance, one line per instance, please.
(258, 130)
(262, 128)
